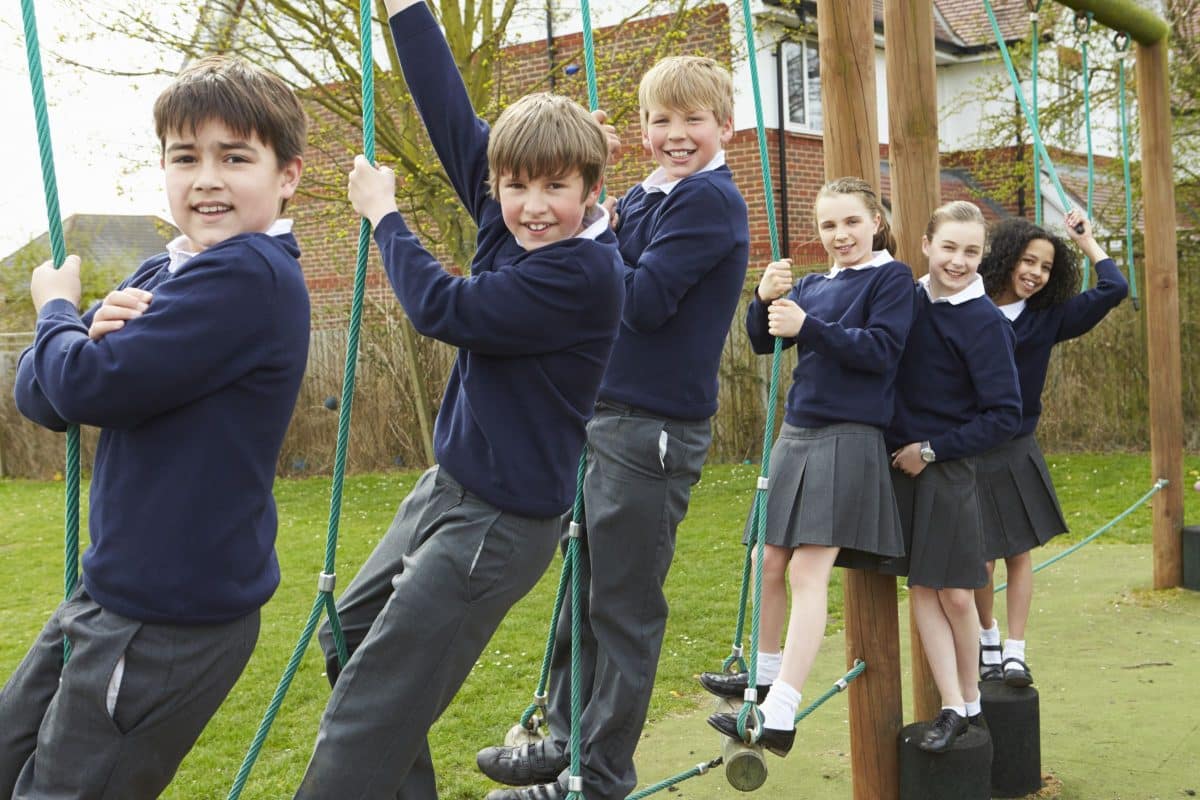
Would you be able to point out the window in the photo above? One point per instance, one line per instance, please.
(802, 71)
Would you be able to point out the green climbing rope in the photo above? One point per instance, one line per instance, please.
(1083, 26)
(1121, 42)
(58, 250)
(1158, 486)
(573, 557)
(750, 708)
(324, 601)
(1030, 114)
(1035, 6)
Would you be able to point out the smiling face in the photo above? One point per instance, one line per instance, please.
(220, 184)
(683, 142)
(538, 211)
(954, 255)
(847, 228)
(1031, 273)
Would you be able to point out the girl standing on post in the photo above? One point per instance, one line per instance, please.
(956, 398)
(829, 497)
(1033, 276)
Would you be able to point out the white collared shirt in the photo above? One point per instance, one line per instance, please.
(656, 181)
(595, 221)
(1012, 310)
(878, 259)
(974, 289)
(178, 254)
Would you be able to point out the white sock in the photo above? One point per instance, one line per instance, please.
(990, 636)
(960, 710)
(779, 709)
(975, 706)
(769, 665)
(1014, 648)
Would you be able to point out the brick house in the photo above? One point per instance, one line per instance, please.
(788, 68)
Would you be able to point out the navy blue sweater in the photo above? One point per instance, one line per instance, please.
(1038, 331)
(534, 328)
(957, 386)
(685, 259)
(193, 399)
(849, 347)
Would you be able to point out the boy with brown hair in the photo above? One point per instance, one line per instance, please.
(534, 325)
(684, 237)
(191, 369)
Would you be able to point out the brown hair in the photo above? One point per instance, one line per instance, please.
(687, 83)
(883, 240)
(245, 97)
(546, 135)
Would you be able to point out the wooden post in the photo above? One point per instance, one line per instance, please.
(916, 192)
(1161, 268)
(846, 39)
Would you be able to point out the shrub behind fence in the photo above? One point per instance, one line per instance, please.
(1095, 399)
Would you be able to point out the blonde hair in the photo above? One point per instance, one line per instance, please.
(546, 135)
(883, 239)
(954, 211)
(687, 83)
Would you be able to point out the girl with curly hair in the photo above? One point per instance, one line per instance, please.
(1033, 276)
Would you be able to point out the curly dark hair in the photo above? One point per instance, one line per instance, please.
(1007, 240)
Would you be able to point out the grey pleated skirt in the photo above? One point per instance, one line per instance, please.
(830, 486)
(1017, 500)
(943, 529)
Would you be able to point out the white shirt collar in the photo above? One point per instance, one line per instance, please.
(973, 289)
(878, 259)
(179, 252)
(596, 222)
(657, 181)
(1012, 310)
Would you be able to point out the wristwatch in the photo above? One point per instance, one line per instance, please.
(927, 454)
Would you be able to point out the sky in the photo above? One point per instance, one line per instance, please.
(101, 129)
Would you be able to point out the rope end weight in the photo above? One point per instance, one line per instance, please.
(519, 734)
(1137, 304)
(745, 767)
(1079, 228)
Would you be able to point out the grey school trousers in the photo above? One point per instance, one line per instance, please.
(640, 473)
(57, 738)
(417, 616)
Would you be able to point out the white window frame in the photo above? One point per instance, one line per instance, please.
(789, 52)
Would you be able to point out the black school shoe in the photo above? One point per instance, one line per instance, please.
(731, 684)
(522, 765)
(948, 726)
(544, 791)
(990, 672)
(777, 741)
(1016, 674)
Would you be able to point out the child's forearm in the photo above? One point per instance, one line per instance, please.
(396, 6)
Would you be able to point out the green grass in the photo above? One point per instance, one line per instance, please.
(703, 590)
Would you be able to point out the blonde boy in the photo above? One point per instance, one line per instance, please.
(684, 236)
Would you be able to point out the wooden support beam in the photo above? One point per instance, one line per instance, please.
(1161, 268)
(916, 192)
(846, 39)
(1142, 24)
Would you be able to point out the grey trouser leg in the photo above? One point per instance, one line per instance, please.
(63, 744)
(635, 496)
(456, 564)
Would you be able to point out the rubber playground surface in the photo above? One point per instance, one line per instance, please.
(1117, 667)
